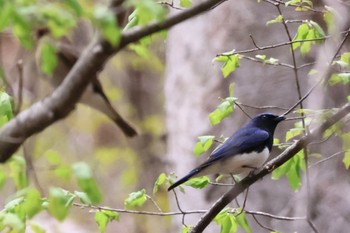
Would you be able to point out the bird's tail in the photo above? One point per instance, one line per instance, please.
(185, 178)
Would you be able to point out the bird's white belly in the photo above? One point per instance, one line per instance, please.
(237, 164)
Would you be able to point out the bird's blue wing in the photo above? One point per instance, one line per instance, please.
(244, 140)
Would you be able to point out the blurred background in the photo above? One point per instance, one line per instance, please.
(167, 92)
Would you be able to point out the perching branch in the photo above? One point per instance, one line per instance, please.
(63, 99)
(268, 168)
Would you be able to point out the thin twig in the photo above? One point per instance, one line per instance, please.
(245, 113)
(20, 86)
(150, 213)
(326, 159)
(261, 225)
(154, 203)
(261, 107)
(266, 62)
(278, 45)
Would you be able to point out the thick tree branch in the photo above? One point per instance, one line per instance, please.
(63, 100)
(269, 167)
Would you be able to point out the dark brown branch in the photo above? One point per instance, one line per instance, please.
(63, 100)
(269, 167)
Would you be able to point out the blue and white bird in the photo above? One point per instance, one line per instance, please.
(248, 148)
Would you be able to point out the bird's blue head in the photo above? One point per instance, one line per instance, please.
(266, 121)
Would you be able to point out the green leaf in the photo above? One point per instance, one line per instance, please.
(59, 20)
(328, 17)
(136, 199)
(59, 203)
(293, 133)
(6, 14)
(22, 30)
(231, 89)
(36, 228)
(344, 60)
(346, 159)
(242, 221)
(291, 169)
(11, 221)
(53, 157)
(185, 3)
(226, 221)
(147, 11)
(6, 110)
(106, 22)
(101, 220)
(222, 111)
(83, 197)
(75, 6)
(103, 217)
(48, 58)
(18, 172)
(346, 147)
(278, 19)
(2, 179)
(198, 182)
(86, 182)
(204, 143)
(261, 57)
(336, 78)
(32, 203)
(64, 172)
(231, 63)
(160, 180)
(186, 229)
(302, 32)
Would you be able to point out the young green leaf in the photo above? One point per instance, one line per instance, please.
(291, 169)
(75, 6)
(32, 203)
(160, 180)
(346, 147)
(336, 78)
(103, 217)
(198, 182)
(186, 229)
(226, 221)
(278, 19)
(86, 182)
(36, 228)
(185, 3)
(135, 199)
(48, 58)
(328, 17)
(222, 111)
(242, 221)
(59, 203)
(11, 221)
(6, 110)
(231, 63)
(106, 22)
(204, 143)
(18, 172)
(83, 197)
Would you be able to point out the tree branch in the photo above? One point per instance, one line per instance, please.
(269, 167)
(63, 99)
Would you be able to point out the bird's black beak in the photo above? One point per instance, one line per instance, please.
(280, 118)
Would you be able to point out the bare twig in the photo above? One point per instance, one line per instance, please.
(20, 87)
(261, 225)
(326, 159)
(160, 214)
